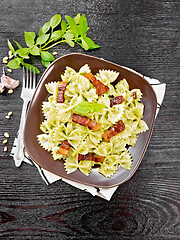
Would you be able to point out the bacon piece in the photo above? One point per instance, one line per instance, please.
(117, 100)
(134, 95)
(90, 157)
(99, 159)
(87, 157)
(61, 90)
(86, 122)
(64, 148)
(100, 87)
(119, 127)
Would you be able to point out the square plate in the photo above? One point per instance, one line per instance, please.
(35, 117)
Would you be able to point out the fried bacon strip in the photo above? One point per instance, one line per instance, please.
(117, 100)
(90, 157)
(100, 87)
(119, 127)
(64, 148)
(87, 157)
(61, 90)
(86, 122)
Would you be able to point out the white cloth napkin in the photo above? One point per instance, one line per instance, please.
(105, 193)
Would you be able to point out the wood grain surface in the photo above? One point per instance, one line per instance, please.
(140, 34)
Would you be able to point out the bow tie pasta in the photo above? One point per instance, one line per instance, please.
(95, 136)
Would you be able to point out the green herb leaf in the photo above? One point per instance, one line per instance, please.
(34, 50)
(45, 28)
(56, 35)
(31, 67)
(19, 46)
(82, 108)
(88, 43)
(84, 44)
(23, 52)
(47, 56)
(70, 42)
(29, 38)
(42, 39)
(83, 25)
(55, 20)
(45, 63)
(13, 64)
(77, 18)
(72, 24)
(63, 26)
(68, 35)
(11, 46)
(96, 107)
(86, 107)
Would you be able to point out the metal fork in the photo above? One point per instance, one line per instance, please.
(28, 88)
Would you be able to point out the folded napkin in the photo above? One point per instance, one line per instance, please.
(105, 193)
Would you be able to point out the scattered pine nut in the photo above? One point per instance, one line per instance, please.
(54, 53)
(5, 58)
(5, 61)
(11, 56)
(9, 70)
(6, 134)
(7, 117)
(10, 113)
(5, 149)
(10, 91)
(5, 141)
(10, 53)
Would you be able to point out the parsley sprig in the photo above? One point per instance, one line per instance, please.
(56, 31)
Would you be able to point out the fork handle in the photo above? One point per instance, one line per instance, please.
(19, 154)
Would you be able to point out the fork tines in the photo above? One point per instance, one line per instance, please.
(31, 75)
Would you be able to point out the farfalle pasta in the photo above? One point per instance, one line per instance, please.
(58, 125)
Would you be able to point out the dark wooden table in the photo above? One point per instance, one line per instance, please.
(145, 36)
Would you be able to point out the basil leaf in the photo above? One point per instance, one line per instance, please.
(29, 38)
(83, 24)
(42, 39)
(86, 107)
(68, 35)
(45, 28)
(29, 66)
(77, 18)
(55, 20)
(45, 63)
(56, 35)
(40, 32)
(70, 42)
(23, 52)
(11, 46)
(13, 64)
(82, 108)
(96, 107)
(47, 56)
(63, 26)
(34, 51)
(88, 43)
(72, 24)
(19, 46)
(84, 44)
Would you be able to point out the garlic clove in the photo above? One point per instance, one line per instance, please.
(9, 82)
(2, 87)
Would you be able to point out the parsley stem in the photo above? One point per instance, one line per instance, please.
(53, 45)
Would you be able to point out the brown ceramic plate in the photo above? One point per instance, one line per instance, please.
(35, 117)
